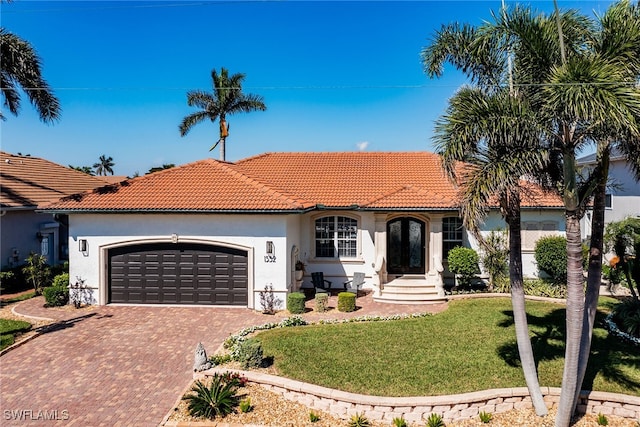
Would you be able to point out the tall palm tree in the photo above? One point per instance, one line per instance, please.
(227, 98)
(21, 70)
(575, 92)
(104, 166)
(492, 130)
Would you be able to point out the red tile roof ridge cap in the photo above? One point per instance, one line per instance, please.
(316, 153)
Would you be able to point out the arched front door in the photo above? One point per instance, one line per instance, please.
(405, 246)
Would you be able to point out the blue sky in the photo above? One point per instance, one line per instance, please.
(335, 75)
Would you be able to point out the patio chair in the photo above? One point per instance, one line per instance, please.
(320, 283)
(354, 284)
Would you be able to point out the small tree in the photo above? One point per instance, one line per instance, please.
(623, 237)
(463, 262)
(495, 256)
(37, 272)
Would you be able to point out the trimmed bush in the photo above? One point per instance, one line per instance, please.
(346, 302)
(295, 302)
(61, 280)
(463, 262)
(551, 256)
(250, 354)
(56, 296)
(322, 302)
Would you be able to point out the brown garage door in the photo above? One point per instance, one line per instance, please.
(167, 273)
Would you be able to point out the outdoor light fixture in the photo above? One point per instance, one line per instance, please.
(174, 238)
(82, 245)
(270, 247)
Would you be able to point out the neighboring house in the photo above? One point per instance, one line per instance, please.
(623, 191)
(214, 232)
(26, 183)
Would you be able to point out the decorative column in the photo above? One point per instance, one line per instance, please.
(435, 250)
(380, 261)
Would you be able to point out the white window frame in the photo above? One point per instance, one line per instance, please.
(336, 238)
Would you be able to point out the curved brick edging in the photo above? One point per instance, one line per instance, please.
(416, 409)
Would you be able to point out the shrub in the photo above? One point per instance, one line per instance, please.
(268, 300)
(550, 254)
(544, 288)
(219, 359)
(346, 302)
(61, 280)
(463, 262)
(626, 315)
(37, 272)
(435, 420)
(219, 399)
(250, 354)
(295, 302)
(495, 256)
(359, 420)
(322, 302)
(56, 296)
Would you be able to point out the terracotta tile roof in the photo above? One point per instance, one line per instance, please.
(30, 181)
(282, 182)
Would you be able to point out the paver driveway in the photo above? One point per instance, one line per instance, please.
(116, 366)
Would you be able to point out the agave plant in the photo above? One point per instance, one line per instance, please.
(359, 420)
(435, 420)
(219, 399)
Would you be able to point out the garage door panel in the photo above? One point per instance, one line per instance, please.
(178, 274)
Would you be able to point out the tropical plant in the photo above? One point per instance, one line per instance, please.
(399, 422)
(435, 420)
(104, 166)
(226, 99)
(485, 417)
(84, 169)
(495, 256)
(494, 131)
(623, 238)
(37, 271)
(627, 316)
(218, 399)
(21, 71)
(359, 420)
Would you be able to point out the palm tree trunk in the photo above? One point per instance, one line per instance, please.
(594, 275)
(575, 280)
(523, 338)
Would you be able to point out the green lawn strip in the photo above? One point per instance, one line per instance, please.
(9, 329)
(469, 347)
(18, 298)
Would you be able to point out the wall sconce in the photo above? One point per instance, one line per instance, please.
(174, 238)
(82, 245)
(270, 247)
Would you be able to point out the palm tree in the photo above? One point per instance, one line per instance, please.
(494, 133)
(575, 91)
(227, 98)
(104, 166)
(21, 70)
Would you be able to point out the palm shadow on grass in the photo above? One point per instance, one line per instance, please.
(609, 355)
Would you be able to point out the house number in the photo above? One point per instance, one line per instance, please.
(269, 258)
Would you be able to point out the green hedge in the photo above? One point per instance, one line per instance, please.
(322, 302)
(295, 302)
(346, 301)
(56, 295)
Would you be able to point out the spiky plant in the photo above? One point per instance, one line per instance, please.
(219, 399)
(359, 420)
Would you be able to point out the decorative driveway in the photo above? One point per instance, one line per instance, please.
(125, 365)
(111, 366)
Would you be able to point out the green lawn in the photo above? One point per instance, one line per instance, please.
(8, 330)
(469, 347)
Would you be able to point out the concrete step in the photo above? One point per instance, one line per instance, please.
(409, 299)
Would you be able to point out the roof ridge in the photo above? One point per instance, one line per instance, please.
(288, 198)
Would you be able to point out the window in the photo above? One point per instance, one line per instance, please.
(336, 237)
(608, 203)
(532, 231)
(451, 235)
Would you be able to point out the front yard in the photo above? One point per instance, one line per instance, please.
(469, 347)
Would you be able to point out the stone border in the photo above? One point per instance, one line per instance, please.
(416, 409)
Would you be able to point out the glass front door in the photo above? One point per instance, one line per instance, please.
(405, 246)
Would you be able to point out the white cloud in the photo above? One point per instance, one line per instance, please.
(362, 146)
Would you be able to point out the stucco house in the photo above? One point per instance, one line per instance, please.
(623, 192)
(217, 233)
(27, 182)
